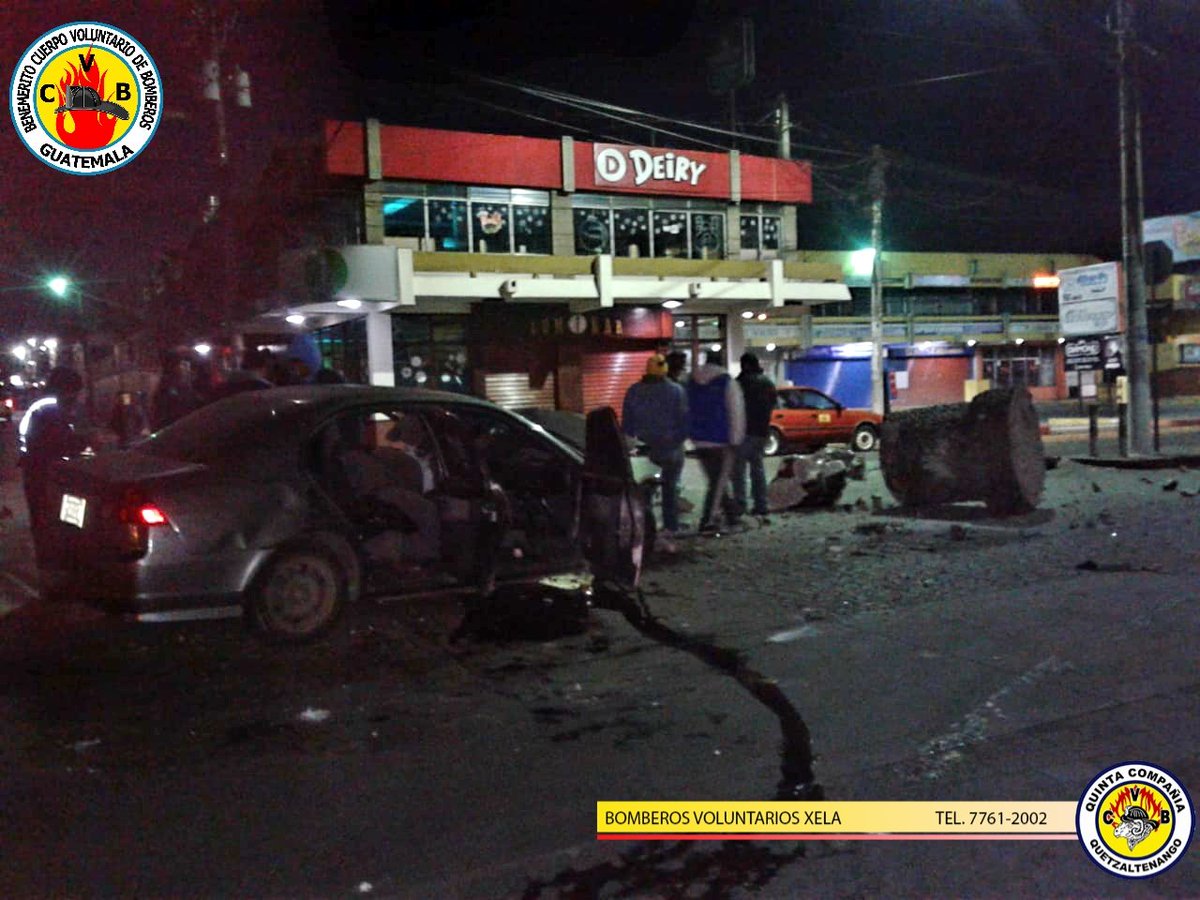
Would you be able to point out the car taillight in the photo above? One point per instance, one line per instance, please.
(8, 402)
(149, 514)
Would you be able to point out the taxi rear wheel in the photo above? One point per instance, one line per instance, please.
(299, 596)
(774, 442)
(865, 438)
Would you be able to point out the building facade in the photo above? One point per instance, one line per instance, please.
(542, 272)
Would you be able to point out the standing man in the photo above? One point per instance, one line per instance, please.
(758, 392)
(47, 435)
(655, 412)
(717, 427)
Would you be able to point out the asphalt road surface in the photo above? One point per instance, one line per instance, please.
(941, 656)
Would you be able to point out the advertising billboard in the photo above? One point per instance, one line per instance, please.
(1090, 300)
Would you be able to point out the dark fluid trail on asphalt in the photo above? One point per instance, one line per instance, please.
(797, 781)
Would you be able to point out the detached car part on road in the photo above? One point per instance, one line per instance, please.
(293, 502)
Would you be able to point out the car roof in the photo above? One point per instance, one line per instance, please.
(266, 422)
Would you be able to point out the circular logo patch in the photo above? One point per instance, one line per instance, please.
(1135, 820)
(86, 98)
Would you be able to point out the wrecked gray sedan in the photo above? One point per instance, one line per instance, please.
(292, 502)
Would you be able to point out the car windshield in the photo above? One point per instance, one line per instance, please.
(229, 427)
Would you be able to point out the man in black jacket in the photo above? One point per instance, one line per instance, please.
(47, 435)
(759, 393)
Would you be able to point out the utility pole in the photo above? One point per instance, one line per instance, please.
(216, 86)
(878, 189)
(785, 129)
(1133, 262)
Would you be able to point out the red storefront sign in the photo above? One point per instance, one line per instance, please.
(460, 157)
(654, 170)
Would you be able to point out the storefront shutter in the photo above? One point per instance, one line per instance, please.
(511, 390)
(607, 376)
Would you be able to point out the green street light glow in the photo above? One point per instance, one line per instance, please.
(862, 262)
(59, 285)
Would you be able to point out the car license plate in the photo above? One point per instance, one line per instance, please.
(72, 510)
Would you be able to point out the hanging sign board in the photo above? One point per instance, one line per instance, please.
(1083, 354)
(1090, 300)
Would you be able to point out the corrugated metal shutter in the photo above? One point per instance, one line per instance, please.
(512, 391)
(607, 376)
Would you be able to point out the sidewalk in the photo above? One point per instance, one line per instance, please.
(1070, 416)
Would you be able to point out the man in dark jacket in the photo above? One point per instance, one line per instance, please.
(759, 393)
(655, 412)
(717, 426)
(47, 435)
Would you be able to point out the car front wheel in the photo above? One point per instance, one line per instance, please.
(865, 438)
(299, 595)
(774, 442)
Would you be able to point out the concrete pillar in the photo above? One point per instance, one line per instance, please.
(562, 224)
(736, 334)
(790, 238)
(373, 214)
(381, 367)
(733, 232)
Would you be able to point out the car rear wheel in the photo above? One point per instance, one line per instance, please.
(299, 595)
(865, 438)
(774, 442)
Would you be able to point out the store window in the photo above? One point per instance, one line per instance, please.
(404, 217)
(448, 225)
(344, 349)
(632, 230)
(760, 232)
(431, 352)
(643, 226)
(708, 236)
(592, 231)
(670, 234)
(1019, 366)
(494, 220)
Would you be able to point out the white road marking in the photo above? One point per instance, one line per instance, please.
(24, 586)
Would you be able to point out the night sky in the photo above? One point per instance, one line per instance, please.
(999, 117)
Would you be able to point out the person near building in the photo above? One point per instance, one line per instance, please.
(175, 395)
(48, 434)
(676, 363)
(302, 359)
(655, 413)
(758, 394)
(128, 419)
(717, 426)
(253, 375)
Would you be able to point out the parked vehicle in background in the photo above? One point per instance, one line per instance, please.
(808, 419)
(292, 502)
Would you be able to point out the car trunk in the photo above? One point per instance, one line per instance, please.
(94, 504)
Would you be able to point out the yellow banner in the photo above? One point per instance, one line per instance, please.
(848, 818)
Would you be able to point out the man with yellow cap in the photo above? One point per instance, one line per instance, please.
(655, 412)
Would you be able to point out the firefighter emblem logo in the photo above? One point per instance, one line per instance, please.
(86, 98)
(1135, 820)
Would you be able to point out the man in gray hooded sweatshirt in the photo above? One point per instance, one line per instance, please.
(717, 426)
(655, 412)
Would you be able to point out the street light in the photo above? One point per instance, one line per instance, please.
(59, 285)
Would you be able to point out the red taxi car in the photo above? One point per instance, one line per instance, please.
(806, 419)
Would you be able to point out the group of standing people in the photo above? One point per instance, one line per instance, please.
(183, 387)
(726, 419)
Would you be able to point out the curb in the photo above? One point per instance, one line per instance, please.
(1067, 426)
(1173, 461)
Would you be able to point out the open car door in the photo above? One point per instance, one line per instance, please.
(611, 524)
